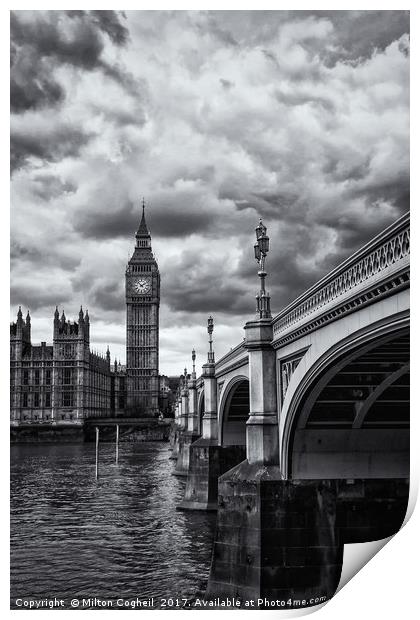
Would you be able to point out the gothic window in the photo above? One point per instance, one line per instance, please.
(67, 376)
(48, 377)
(36, 399)
(36, 377)
(68, 399)
(25, 377)
(48, 399)
(25, 399)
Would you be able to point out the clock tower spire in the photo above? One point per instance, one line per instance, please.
(143, 233)
(142, 294)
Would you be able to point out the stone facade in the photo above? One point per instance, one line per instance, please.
(64, 382)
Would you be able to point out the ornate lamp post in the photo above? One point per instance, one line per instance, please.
(184, 400)
(192, 402)
(262, 424)
(261, 249)
(210, 327)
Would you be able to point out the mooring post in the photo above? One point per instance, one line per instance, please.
(97, 454)
(117, 436)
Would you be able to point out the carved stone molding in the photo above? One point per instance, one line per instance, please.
(377, 270)
(287, 368)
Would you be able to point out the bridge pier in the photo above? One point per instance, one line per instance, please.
(184, 436)
(177, 431)
(283, 539)
(208, 460)
(191, 432)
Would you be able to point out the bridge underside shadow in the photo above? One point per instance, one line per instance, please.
(280, 538)
(235, 415)
(355, 421)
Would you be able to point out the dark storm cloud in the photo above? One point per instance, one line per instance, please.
(48, 187)
(109, 22)
(295, 99)
(298, 117)
(42, 41)
(201, 294)
(355, 34)
(394, 192)
(107, 221)
(31, 89)
(217, 29)
(39, 257)
(181, 222)
(359, 33)
(29, 295)
(49, 144)
(108, 297)
(227, 84)
(104, 291)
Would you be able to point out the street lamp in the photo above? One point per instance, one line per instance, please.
(261, 249)
(210, 327)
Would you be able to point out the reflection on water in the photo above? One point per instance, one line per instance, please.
(121, 536)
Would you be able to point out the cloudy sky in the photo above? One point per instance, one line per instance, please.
(216, 118)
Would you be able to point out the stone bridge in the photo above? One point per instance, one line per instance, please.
(299, 436)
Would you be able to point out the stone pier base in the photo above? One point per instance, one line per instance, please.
(280, 540)
(175, 444)
(186, 439)
(208, 461)
(172, 435)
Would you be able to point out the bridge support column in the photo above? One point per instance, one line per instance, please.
(184, 443)
(190, 434)
(208, 460)
(280, 540)
(262, 436)
(178, 430)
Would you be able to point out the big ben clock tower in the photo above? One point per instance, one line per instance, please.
(142, 295)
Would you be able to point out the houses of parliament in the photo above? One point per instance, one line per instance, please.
(66, 382)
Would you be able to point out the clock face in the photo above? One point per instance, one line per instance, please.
(142, 285)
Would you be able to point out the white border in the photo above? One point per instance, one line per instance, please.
(387, 586)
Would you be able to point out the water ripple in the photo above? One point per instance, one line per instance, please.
(120, 536)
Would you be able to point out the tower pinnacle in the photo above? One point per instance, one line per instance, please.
(143, 231)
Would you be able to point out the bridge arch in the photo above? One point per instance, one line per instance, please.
(340, 420)
(234, 412)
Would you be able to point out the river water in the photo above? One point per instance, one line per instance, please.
(119, 537)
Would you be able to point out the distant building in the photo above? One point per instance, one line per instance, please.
(168, 387)
(64, 382)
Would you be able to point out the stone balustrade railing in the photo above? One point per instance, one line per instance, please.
(356, 281)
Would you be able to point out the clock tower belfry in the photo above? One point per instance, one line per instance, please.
(142, 295)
